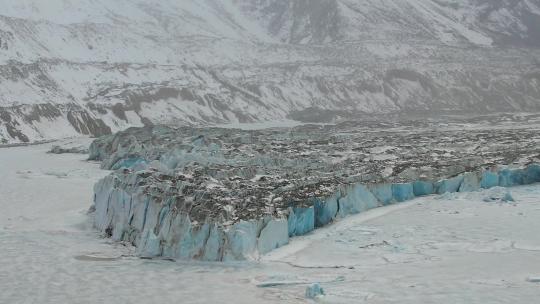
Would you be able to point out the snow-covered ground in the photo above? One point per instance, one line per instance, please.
(451, 249)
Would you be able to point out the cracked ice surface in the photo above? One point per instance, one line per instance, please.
(455, 249)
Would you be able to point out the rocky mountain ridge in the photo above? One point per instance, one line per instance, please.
(94, 67)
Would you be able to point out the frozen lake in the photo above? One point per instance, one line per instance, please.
(451, 249)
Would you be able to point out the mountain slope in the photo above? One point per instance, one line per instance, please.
(480, 22)
(93, 66)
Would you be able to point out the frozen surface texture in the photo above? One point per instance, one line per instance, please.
(226, 194)
(431, 249)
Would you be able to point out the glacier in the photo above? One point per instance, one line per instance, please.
(157, 230)
(51, 248)
(207, 194)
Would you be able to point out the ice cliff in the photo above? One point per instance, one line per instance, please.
(220, 195)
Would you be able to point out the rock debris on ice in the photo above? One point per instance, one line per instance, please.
(227, 194)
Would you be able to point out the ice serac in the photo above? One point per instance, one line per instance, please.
(449, 185)
(301, 220)
(274, 235)
(511, 177)
(355, 199)
(471, 182)
(422, 188)
(214, 244)
(325, 209)
(383, 192)
(241, 241)
(532, 174)
(150, 245)
(402, 192)
(490, 179)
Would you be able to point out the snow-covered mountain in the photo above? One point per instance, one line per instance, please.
(97, 66)
(480, 22)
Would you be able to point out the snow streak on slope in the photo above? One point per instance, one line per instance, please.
(96, 66)
(480, 22)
